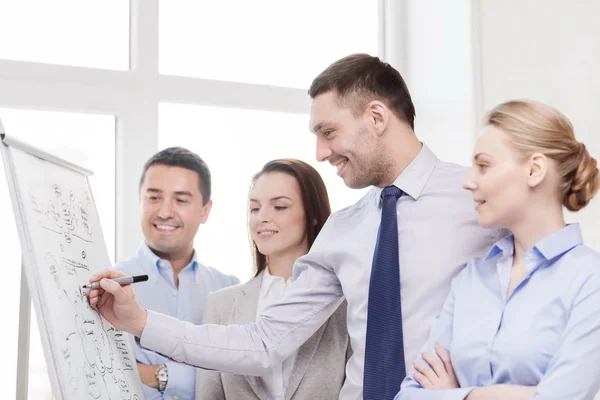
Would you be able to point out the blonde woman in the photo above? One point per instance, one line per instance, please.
(523, 322)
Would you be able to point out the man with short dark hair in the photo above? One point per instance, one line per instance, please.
(175, 189)
(392, 254)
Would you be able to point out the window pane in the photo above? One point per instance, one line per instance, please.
(91, 137)
(71, 32)
(234, 152)
(270, 42)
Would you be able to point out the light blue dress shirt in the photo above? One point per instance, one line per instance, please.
(185, 303)
(546, 334)
(437, 232)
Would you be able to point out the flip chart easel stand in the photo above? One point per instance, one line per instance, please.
(24, 334)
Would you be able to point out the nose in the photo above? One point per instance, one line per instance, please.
(264, 215)
(469, 183)
(165, 211)
(323, 150)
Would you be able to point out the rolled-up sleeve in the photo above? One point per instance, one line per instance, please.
(441, 335)
(574, 371)
(252, 349)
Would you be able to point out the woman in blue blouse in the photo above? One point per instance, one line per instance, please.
(523, 322)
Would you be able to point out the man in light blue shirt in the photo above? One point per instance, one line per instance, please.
(362, 116)
(175, 200)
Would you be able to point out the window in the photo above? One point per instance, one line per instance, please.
(234, 152)
(80, 33)
(269, 42)
(91, 136)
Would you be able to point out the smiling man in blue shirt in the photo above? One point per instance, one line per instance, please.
(175, 199)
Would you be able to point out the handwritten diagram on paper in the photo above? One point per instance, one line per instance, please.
(92, 359)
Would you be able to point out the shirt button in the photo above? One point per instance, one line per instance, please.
(174, 292)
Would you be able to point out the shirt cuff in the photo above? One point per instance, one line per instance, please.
(457, 394)
(410, 393)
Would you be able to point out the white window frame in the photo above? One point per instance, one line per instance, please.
(133, 98)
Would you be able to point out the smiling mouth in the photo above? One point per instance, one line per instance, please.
(267, 233)
(165, 228)
(340, 166)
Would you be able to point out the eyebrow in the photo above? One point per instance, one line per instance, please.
(274, 198)
(320, 126)
(177, 193)
(479, 155)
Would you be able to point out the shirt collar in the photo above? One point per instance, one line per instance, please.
(152, 263)
(503, 246)
(560, 241)
(268, 280)
(414, 177)
(549, 247)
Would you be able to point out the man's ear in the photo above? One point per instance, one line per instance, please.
(537, 168)
(206, 211)
(378, 116)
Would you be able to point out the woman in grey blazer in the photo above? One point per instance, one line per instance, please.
(288, 206)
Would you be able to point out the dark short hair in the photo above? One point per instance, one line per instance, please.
(315, 200)
(183, 158)
(359, 79)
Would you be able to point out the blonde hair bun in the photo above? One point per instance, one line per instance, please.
(585, 183)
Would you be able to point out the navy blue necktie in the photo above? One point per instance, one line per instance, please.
(384, 350)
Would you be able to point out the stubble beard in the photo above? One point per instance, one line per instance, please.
(374, 172)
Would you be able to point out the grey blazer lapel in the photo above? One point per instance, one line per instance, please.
(303, 359)
(247, 302)
(245, 313)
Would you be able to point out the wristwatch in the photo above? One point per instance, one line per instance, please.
(162, 375)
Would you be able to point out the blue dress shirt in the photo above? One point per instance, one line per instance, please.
(545, 334)
(185, 303)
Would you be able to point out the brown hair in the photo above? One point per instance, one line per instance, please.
(182, 158)
(533, 127)
(315, 200)
(359, 79)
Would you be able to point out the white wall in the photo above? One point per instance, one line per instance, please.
(439, 73)
(432, 47)
(547, 50)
